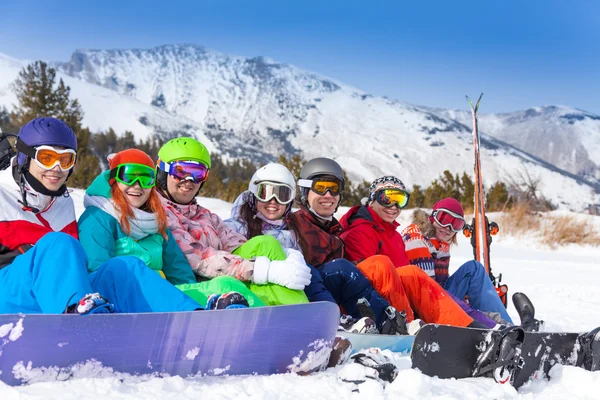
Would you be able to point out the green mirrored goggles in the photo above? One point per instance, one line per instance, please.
(129, 174)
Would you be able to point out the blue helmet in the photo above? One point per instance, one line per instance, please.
(46, 131)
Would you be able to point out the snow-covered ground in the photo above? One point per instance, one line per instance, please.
(562, 283)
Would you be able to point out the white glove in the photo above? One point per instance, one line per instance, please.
(292, 273)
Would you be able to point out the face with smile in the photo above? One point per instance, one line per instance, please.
(51, 179)
(323, 205)
(135, 195)
(183, 192)
(445, 234)
(388, 214)
(271, 209)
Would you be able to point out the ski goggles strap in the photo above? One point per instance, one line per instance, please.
(48, 157)
(265, 191)
(185, 170)
(129, 174)
(322, 186)
(447, 218)
(392, 197)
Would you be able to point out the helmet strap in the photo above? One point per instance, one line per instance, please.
(21, 175)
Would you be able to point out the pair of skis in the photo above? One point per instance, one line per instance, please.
(481, 230)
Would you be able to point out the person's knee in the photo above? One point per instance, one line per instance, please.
(379, 262)
(60, 244)
(412, 270)
(229, 282)
(340, 264)
(58, 239)
(473, 268)
(266, 241)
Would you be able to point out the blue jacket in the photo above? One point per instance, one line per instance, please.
(102, 238)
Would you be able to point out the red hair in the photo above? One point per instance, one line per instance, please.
(153, 205)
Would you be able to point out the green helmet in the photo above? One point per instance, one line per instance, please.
(184, 148)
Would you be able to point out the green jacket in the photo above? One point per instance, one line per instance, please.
(102, 238)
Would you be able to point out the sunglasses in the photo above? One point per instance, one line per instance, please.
(129, 174)
(265, 191)
(47, 157)
(392, 197)
(186, 170)
(322, 186)
(446, 218)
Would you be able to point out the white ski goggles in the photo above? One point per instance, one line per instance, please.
(265, 191)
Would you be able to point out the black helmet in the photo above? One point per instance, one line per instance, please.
(318, 167)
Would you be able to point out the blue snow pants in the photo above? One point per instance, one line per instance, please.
(53, 275)
(347, 285)
(316, 290)
(472, 280)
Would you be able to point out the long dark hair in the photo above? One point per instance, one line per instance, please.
(292, 226)
(254, 224)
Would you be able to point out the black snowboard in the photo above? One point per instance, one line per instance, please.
(453, 352)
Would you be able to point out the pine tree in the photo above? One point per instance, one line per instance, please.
(468, 192)
(6, 124)
(294, 164)
(39, 96)
(417, 198)
(34, 88)
(497, 197)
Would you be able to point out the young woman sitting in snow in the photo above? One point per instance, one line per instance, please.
(211, 247)
(124, 216)
(428, 240)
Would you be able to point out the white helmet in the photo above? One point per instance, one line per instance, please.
(275, 173)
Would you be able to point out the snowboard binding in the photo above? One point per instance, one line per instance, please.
(226, 301)
(502, 355)
(526, 312)
(589, 350)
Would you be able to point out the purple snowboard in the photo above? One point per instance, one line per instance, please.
(263, 340)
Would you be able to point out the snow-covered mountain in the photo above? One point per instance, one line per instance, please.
(564, 136)
(259, 108)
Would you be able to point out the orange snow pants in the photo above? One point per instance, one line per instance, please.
(410, 289)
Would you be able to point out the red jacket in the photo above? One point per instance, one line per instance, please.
(366, 234)
(21, 228)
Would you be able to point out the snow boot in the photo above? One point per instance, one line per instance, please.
(226, 301)
(91, 303)
(364, 325)
(394, 322)
(340, 352)
(526, 312)
(369, 364)
(589, 350)
(502, 356)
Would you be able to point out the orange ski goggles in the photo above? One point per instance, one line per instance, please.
(47, 157)
(322, 186)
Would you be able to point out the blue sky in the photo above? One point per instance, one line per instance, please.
(519, 53)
